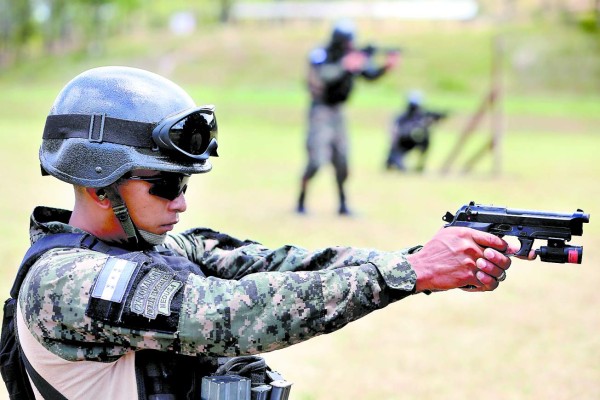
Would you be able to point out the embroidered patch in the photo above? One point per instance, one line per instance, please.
(113, 279)
(154, 293)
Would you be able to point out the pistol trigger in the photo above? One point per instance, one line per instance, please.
(526, 245)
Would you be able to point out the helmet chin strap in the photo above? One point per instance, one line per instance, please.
(152, 238)
(135, 236)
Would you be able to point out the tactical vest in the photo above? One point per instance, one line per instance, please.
(159, 375)
(338, 92)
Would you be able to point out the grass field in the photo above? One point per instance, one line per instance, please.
(536, 337)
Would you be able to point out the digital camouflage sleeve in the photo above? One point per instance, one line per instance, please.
(252, 299)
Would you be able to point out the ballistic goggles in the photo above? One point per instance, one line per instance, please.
(191, 133)
(168, 185)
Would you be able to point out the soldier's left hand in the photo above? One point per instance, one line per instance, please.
(392, 59)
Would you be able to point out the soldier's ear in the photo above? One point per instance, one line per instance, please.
(101, 193)
(99, 196)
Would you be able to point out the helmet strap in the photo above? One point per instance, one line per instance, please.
(135, 237)
(152, 239)
(121, 212)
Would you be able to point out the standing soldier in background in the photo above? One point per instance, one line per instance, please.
(330, 80)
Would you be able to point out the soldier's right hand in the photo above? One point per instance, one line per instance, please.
(459, 257)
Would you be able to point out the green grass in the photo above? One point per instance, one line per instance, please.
(535, 337)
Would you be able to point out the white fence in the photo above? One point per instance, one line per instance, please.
(399, 9)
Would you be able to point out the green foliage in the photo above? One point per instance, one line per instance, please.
(589, 22)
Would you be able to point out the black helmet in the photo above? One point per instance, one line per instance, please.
(415, 97)
(343, 32)
(109, 121)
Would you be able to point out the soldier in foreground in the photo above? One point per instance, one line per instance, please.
(115, 305)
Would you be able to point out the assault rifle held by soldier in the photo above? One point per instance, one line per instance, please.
(371, 50)
(527, 225)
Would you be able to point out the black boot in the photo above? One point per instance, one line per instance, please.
(343, 210)
(300, 207)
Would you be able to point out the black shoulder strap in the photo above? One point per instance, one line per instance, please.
(46, 390)
(42, 245)
(48, 242)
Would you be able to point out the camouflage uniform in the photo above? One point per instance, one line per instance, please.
(248, 299)
(327, 140)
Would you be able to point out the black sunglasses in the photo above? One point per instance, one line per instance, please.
(168, 185)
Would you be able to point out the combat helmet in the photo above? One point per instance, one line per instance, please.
(415, 97)
(343, 31)
(109, 121)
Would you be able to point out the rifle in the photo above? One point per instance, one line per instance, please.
(370, 50)
(527, 225)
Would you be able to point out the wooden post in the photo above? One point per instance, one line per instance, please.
(497, 109)
(497, 121)
(492, 102)
(471, 125)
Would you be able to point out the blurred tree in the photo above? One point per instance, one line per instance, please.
(55, 26)
(225, 11)
(16, 27)
(58, 24)
(97, 19)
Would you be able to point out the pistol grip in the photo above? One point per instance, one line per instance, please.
(526, 245)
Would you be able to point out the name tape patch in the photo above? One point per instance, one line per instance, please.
(154, 293)
(113, 279)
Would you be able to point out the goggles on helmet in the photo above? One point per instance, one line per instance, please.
(191, 133)
(168, 185)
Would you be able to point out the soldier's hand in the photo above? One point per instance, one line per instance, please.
(461, 258)
(392, 59)
(354, 61)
